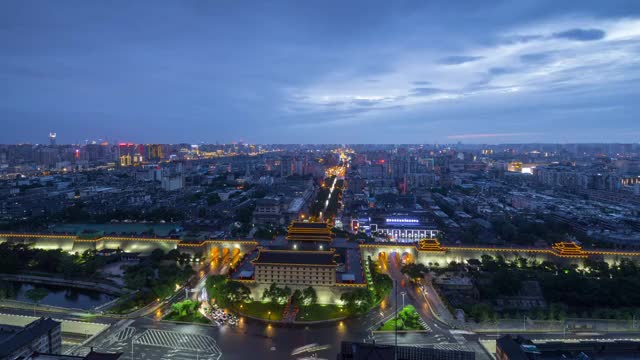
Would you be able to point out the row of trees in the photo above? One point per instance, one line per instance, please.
(359, 301)
(306, 297)
(595, 289)
(19, 258)
(159, 273)
(276, 295)
(227, 292)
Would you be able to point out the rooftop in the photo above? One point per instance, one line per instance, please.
(293, 257)
(26, 335)
(308, 225)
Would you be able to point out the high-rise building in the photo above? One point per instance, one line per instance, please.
(52, 138)
(286, 166)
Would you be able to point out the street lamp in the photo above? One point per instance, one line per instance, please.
(403, 294)
(269, 315)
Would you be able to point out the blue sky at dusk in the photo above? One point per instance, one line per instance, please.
(320, 71)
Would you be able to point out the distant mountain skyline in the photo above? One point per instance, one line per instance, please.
(326, 72)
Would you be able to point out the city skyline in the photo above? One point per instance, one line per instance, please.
(493, 73)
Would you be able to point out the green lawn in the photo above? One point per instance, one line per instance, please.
(319, 312)
(260, 310)
(194, 318)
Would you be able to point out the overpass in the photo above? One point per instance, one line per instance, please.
(210, 248)
(430, 252)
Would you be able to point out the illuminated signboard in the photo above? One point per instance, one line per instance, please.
(401, 221)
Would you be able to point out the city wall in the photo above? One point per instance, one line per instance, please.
(440, 255)
(70, 243)
(445, 255)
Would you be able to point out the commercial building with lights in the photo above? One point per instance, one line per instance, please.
(397, 227)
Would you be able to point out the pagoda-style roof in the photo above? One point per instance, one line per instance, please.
(309, 231)
(428, 244)
(296, 257)
(568, 249)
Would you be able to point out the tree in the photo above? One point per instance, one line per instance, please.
(185, 308)
(414, 271)
(309, 296)
(276, 295)
(270, 293)
(410, 317)
(357, 301)
(297, 297)
(157, 255)
(382, 285)
(215, 285)
(36, 295)
(235, 292)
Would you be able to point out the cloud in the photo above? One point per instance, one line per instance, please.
(580, 34)
(514, 39)
(457, 60)
(421, 83)
(367, 102)
(501, 70)
(425, 91)
(482, 136)
(534, 58)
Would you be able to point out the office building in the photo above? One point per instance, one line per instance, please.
(40, 336)
(520, 348)
(364, 351)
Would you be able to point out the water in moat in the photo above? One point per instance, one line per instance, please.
(56, 296)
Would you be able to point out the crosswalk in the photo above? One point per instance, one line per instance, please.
(450, 346)
(160, 344)
(124, 334)
(425, 325)
(175, 340)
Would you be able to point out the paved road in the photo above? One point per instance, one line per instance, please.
(414, 296)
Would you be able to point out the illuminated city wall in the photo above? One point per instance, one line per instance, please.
(46, 242)
(461, 254)
(70, 243)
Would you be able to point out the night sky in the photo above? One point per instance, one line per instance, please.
(320, 71)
